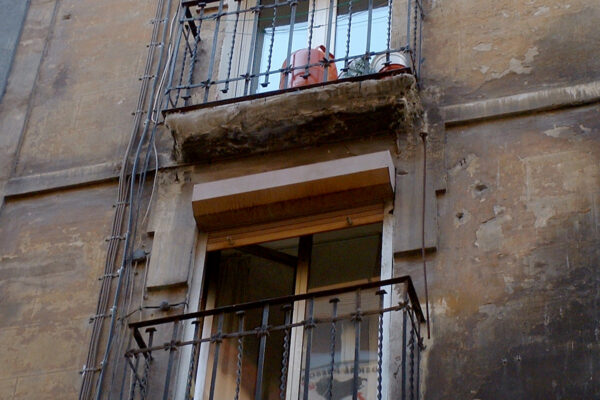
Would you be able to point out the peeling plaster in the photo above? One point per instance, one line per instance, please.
(490, 235)
(584, 129)
(473, 166)
(461, 218)
(519, 67)
(464, 163)
(483, 47)
(557, 131)
(542, 211)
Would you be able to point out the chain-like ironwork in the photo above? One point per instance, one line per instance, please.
(219, 333)
(240, 355)
(245, 47)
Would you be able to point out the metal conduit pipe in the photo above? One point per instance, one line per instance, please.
(128, 279)
(128, 235)
(120, 205)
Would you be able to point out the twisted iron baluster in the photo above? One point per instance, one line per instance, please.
(389, 32)
(412, 362)
(348, 36)
(194, 53)
(134, 381)
(266, 82)
(217, 339)
(367, 55)
(144, 384)
(326, 61)
(419, 348)
(286, 350)
(193, 360)
(248, 75)
(310, 34)
(309, 327)
(357, 318)
(286, 72)
(240, 352)
(261, 333)
(414, 52)
(237, 18)
(381, 294)
(408, 8)
(334, 303)
(193, 58)
(185, 53)
(211, 63)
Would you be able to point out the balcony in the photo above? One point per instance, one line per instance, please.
(326, 66)
(331, 344)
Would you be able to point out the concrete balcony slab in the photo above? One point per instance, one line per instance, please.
(324, 114)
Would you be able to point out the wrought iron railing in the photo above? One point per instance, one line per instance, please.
(330, 344)
(225, 50)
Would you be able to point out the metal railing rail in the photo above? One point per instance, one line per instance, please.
(194, 74)
(140, 358)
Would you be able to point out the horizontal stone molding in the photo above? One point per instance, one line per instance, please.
(523, 103)
(61, 179)
(548, 99)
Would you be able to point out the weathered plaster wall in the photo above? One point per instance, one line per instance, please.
(89, 55)
(482, 49)
(11, 22)
(514, 280)
(52, 251)
(515, 283)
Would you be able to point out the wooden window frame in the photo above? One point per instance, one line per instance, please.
(298, 227)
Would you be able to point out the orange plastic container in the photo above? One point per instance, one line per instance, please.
(299, 59)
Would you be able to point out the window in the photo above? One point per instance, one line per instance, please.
(226, 49)
(322, 261)
(346, 40)
(262, 40)
(291, 294)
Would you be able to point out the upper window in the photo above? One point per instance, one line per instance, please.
(235, 48)
(348, 34)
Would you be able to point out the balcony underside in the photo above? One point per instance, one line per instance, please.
(317, 115)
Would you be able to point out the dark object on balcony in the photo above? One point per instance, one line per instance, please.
(245, 331)
(307, 68)
(339, 389)
(358, 67)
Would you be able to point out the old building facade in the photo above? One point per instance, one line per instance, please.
(246, 189)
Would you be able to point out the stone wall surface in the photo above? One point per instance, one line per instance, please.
(11, 22)
(52, 250)
(514, 285)
(90, 55)
(514, 278)
(482, 49)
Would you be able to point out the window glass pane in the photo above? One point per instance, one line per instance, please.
(279, 33)
(359, 28)
(344, 349)
(239, 277)
(343, 256)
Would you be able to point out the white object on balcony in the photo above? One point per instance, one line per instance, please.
(398, 60)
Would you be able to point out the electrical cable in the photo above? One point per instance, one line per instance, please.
(423, 205)
(112, 251)
(128, 248)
